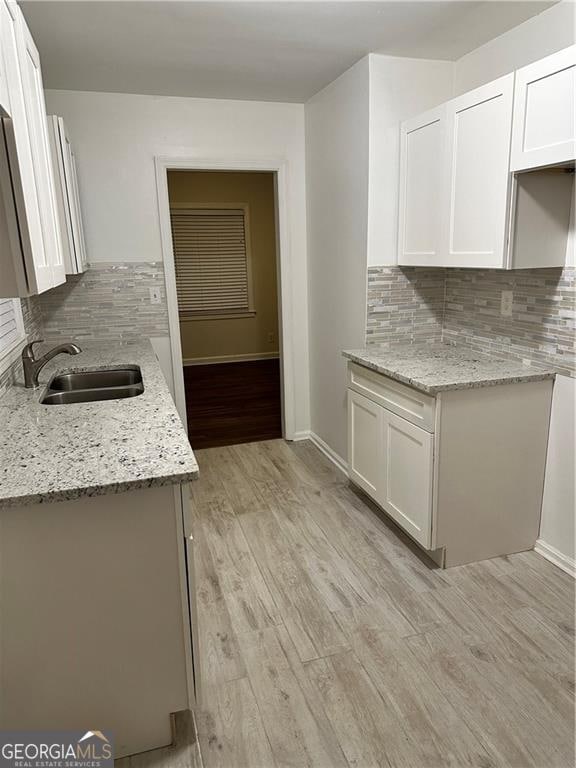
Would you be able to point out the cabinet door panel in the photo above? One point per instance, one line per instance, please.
(544, 103)
(365, 443)
(48, 265)
(407, 453)
(421, 177)
(479, 128)
(77, 223)
(71, 231)
(29, 225)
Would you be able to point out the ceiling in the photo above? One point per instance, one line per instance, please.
(270, 51)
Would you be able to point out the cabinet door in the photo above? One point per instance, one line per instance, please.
(28, 246)
(62, 196)
(422, 158)
(407, 475)
(479, 125)
(544, 104)
(68, 204)
(48, 263)
(365, 443)
(77, 224)
(4, 91)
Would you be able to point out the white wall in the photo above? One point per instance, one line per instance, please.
(337, 192)
(546, 33)
(116, 138)
(399, 89)
(352, 157)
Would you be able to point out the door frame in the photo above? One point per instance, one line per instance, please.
(286, 307)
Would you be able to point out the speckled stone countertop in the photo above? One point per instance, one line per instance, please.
(438, 367)
(60, 452)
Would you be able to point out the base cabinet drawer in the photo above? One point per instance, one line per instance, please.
(405, 401)
(392, 461)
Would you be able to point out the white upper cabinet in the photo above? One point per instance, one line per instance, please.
(454, 181)
(420, 208)
(34, 262)
(478, 128)
(4, 93)
(544, 112)
(462, 199)
(49, 265)
(67, 198)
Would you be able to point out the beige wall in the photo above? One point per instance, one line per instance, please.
(246, 335)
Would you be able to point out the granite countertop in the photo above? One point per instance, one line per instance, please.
(61, 452)
(439, 367)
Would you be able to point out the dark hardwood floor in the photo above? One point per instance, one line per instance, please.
(231, 403)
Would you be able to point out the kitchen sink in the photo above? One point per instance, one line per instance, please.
(69, 382)
(92, 386)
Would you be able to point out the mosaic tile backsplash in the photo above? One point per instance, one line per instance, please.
(109, 301)
(404, 305)
(463, 305)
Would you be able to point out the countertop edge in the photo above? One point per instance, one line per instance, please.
(98, 490)
(529, 376)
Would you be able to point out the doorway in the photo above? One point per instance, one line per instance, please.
(224, 240)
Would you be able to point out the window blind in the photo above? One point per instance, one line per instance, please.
(211, 261)
(11, 325)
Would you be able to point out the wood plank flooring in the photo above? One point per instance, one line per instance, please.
(231, 403)
(328, 640)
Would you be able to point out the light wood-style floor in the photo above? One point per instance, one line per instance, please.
(326, 640)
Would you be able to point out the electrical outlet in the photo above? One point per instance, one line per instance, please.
(155, 296)
(271, 337)
(506, 303)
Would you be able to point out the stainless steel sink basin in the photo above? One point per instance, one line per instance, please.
(69, 382)
(92, 395)
(91, 386)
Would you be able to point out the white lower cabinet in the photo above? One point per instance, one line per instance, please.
(406, 476)
(463, 473)
(391, 459)
(365, 442)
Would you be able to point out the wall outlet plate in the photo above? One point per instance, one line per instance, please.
(506, 303)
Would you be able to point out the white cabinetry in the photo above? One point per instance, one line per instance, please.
(478, 128)
(544, 105)
(454, 181)
(462, 202)
(421, 181)
(406, 472)
(462, 473)
(364, 443)
(67, 198)
(34, 262)
(389, 457)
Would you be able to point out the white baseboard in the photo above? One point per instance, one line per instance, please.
(334, 457)
(567, 564)
(302, 435)
(230, 358)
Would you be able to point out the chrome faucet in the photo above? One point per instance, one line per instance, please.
(33, 366)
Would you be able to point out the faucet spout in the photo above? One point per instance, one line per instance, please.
(32, 365)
